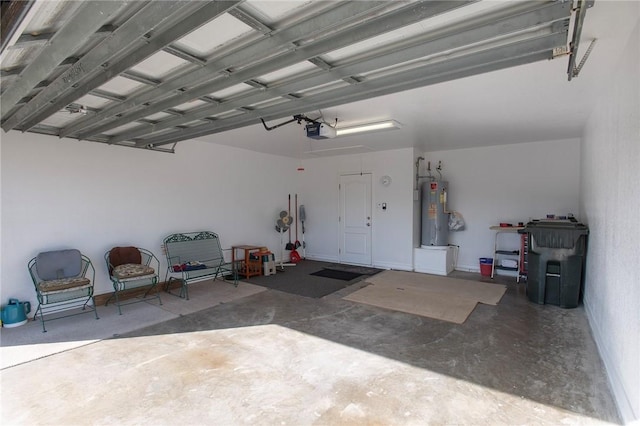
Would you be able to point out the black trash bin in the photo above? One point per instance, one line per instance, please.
(557, 251)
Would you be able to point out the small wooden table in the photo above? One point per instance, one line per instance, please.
(246, 266)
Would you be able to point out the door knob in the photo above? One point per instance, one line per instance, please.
(368, 224)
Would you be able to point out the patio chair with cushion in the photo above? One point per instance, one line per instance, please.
(130, 268)
(63, 280)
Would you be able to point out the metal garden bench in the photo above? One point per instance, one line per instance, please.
(193, 257)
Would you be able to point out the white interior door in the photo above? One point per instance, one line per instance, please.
(355, 219)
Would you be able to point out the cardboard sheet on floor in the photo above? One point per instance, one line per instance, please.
(416, 301)
(487, 293)
(433, 296)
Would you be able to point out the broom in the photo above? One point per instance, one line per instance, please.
(289, 245)
(297, 243)
(303, 216)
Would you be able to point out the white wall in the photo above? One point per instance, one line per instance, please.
(392, 232)
(507, 183)
(611, 202)
(487, 185)
(64, 193)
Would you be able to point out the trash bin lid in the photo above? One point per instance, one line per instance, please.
(556, 223)
(556, 233)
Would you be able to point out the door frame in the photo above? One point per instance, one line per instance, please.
(341, 214)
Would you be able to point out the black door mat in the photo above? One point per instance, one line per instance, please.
(364, 270)
(313, 287)
(301, 280)
(336, 275)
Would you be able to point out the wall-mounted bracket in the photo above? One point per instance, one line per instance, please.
(581, 12)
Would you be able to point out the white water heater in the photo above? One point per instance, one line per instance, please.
(435, 217)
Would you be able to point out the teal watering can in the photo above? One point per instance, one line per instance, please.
(15, 313)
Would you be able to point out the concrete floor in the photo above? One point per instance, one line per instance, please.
(277, 358)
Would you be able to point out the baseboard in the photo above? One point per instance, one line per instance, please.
(467, 268)
(395, 266)
(322, 258)
(625, 409)
(101, 299)
(381, 265)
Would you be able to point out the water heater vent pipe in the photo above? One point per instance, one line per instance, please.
(418, 177)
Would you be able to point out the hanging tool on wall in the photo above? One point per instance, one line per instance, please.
(303, 216)
(289, 245)
(294, 256)
(297, 242)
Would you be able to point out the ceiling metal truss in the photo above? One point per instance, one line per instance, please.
(316, 55)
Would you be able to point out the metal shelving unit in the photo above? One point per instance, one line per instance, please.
(500, 253)
(524, 256)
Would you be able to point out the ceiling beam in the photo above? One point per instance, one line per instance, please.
(365, 28)
(137, 77)
(129, 35)
(30, 40)
(86, 21)
(174, 112)
(96, 92)
(107, 95)
(251, 20)
(13, 13)
(421, 46)
(13, 72)
(182, 54)
(53, 131)
(264, 47)
(153, 42)
(479, 62)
